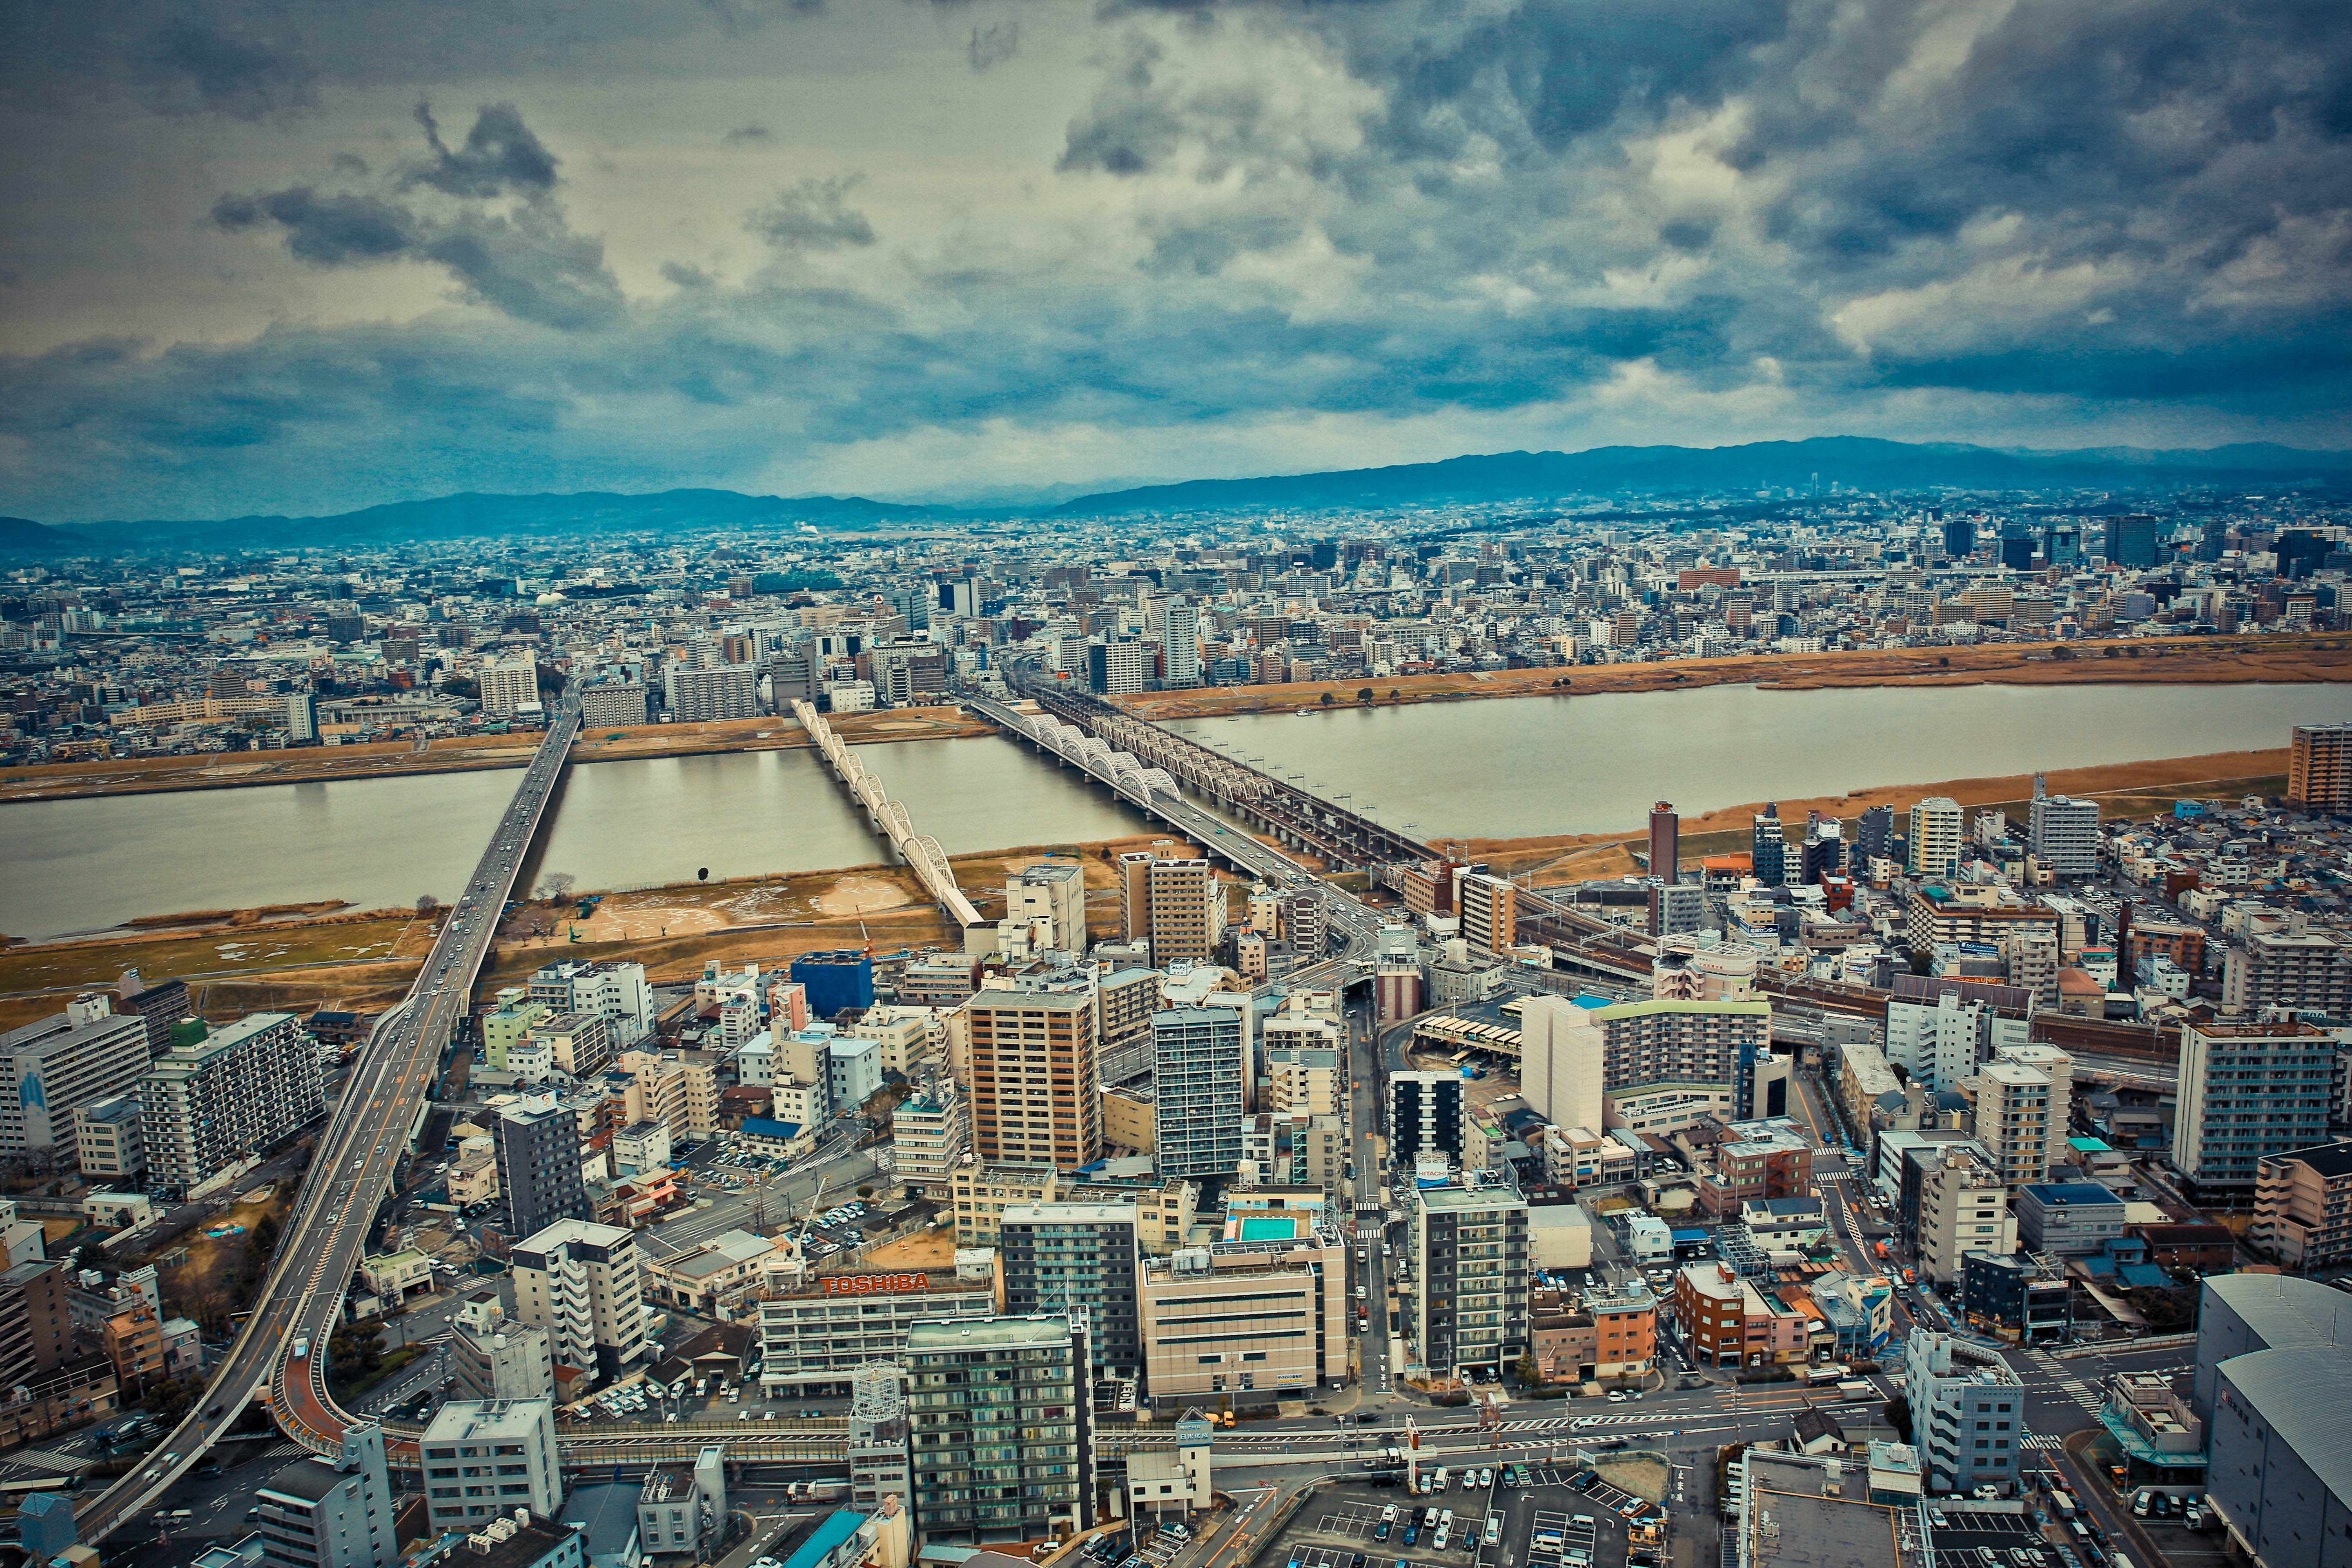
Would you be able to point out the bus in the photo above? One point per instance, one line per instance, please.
(39, 1484)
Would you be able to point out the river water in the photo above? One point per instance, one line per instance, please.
(1513, 767)
(1523, 766)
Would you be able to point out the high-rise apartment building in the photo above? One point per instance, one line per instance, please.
(51, 1068)
(615, 703)
(1178, 906)
(1001, 1412)
(1767, 849)
(329, 1513)
(1424, 1116)
(1118, 667)
(301, 716)
(1034, 1091)
(485, 1458)
(980, 1193)
(1470, 1247)
(611, 990)
(703, 696)
(2302, 1207)
(584, 1284)
(1937, 835)
(1939, 1040)
(510, 685)
(538, 1144)
(1201, 1087)
(2063, 832)
(213, 1099)
(501, 1359)
(2319, 768)
(1071, 1256)
(1181, 642)
(1963, 1208)
(928, 1133)
(2022, 1100)
(1665, 1064)
(2297, 969)
(1561, 1055)
(2248, 1091)
(1489, 910)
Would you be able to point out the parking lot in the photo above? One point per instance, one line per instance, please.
(1988, 1537)
(1354, 1525)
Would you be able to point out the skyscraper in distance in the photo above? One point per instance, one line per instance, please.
(1665, 840)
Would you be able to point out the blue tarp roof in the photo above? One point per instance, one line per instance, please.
(760, 1127)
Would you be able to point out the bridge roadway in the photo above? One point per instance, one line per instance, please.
(282, 1349)
(1155, 792)
(923, 853)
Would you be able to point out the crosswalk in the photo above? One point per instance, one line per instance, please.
(2043, 1440)
(2065, 1377)
(47, 1460)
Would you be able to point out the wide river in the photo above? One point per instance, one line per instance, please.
(1501, 768)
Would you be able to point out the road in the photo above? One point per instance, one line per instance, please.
(282, 1349)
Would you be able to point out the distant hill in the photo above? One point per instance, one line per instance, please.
(21, 536)
(1859, 462)
(474, 515)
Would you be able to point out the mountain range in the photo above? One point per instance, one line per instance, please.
(1820, 464)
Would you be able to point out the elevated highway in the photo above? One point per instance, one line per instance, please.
(282, 1352)
(923, 853)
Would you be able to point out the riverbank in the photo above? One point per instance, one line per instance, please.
(365, 961)
(466, 753)
(2189, 661)
(2124, 791)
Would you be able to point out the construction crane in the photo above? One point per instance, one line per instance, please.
(808, 1215)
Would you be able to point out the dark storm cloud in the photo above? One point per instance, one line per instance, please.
(812, 215)
(746, 136)
(501, 157)
(184, 67)
(525, 262)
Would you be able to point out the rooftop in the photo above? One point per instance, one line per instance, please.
(988, 1334)
(2327, 1161)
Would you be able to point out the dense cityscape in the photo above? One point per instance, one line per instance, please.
(1217, 1193)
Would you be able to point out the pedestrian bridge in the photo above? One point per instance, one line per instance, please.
(923, 853)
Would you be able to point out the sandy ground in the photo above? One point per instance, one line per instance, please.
(924, 1249)
(860, 895)
(2194, 660)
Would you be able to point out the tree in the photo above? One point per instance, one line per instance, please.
(865, 1192)
(556, 886)
(427, 906)
(1364, 694)
(1326, 699)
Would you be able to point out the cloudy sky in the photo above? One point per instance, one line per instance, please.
(268, 257)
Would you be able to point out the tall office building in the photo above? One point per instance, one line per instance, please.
(584, 1284)
(2131, 540)
(2063, 832)
(50, 1069)
(1003, 1417)
(1768, 851)
(1201, 1087)
(1665, 841)
(1959, 538)
(329, 1513)
(510, 685)
(703, 696)
(1180, 639)
(1937, 834)
(1034, 1091)
(2319, 768)
(222, 1095)
(484, 1459)
(538, 1144)
(301, 716)
(2248, 1091)
(1471, 1251)
(1424, 1116)
(1178, 906)
(1068, 1258)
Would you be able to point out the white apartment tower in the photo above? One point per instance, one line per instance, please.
(1937, 834)
(510, 685)
(584, 1284)
(235, 1092)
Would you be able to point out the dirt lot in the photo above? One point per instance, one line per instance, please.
(204, 1287)
(924, 1249)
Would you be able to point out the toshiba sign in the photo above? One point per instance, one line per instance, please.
(869, 1284)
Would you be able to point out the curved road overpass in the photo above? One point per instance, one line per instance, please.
(282, 1349)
